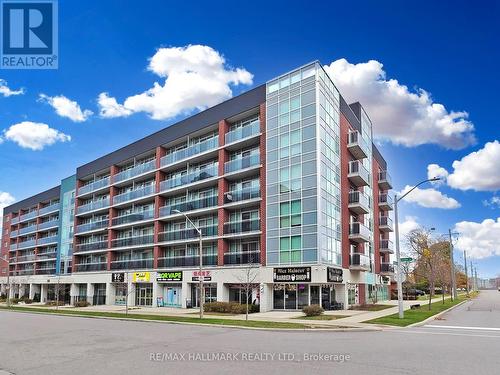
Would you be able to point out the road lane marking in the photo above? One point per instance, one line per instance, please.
(445, 333)
(462, 327)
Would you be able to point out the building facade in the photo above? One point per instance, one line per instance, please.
(284, 183)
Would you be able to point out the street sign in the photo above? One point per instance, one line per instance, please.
(407, 260)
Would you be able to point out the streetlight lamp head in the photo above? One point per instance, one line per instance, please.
(435, 179)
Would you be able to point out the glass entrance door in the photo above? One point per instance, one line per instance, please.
(144, 295)
(291, 297)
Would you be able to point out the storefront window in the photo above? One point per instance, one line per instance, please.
(120, 294)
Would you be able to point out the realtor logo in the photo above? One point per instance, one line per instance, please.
(29, 34)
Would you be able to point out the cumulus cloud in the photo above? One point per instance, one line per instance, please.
(493, 202)
(65, 107)
(480, 240)
(5, 200)
(429, 198)
(195, 77)
(408, 225)
(399, 115)
(434, 170)
(34, 135)
(6, 91)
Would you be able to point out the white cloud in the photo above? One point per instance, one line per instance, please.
(478, 170)
(34, 135)
(66, 107)
(410, 224)
(196, 77)
(493, 202)
(6, 91)
(480, 240)
(434, 170)
(430, 198)
(5, 200)
(405, 117)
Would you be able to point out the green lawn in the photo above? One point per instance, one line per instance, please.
(417, 315)
(321, 317)
(181, 319)
(372, 307)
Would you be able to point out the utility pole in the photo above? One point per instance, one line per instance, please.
(472, 276)
(452, 269)
(475, 278)
(466, 275)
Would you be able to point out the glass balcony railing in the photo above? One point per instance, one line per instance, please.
(93, 186)
(134, 217)
(358, 173)
(242, 226)
(94, 205)
(26, 271)
(29, 215)
(91, 226)
(24, 244)
(14, 233)
(135, 171)
(358, 202)
(357, 145)
(246, 257)
(48, 224)
(385, 221)
(90, 246)
(385, 200)
(359, 230)
(13, 246)
(188, 178)
(14, 220)
(385, 245)
(386, 268)
(187, 234)
(46, 271)
(45, 256)
(189, 206)
(194, 149)
(48, 209)
(187, 261)
(132, 264)
(384, 179)
(31, 228)
(89, 267)
(134, 194)
(360, 260)
(243, 132)
(242, 163)
(242, 194)
(46, 240)
(133, 241)
(25, 258)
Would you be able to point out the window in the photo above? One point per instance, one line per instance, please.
(290, 249)
(290, 178)
(290, 144)
(290, 214)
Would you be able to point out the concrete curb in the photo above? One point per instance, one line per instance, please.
(321, 329)
(423, 322)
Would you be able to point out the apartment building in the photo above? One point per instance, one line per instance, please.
(283, 182)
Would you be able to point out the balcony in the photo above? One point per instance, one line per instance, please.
(138, 170)
(95, 225)
(26, 244)
(187, 234)
(357, 145)
(242, 163)
(29, 215)
(194, 149)
(25, 258)
(358, 202)
(386, 246)
(49, 209)
(94, 186)
(134, 194)
(385, 224)
(187, 261)
(91, 246)
(242, 194)
(47, 240)
(359, 233)
(93, 206)
(132, 264)
(46, 256)
(30, 271)
(243, 226)
(386, 269)
(359, 262)
(384, 180)
(192, 205)
(14, 220)
(358, 174)
(189, 178)
(31, 228)
(385, 202)
(13, 246)
(90, 267)
(48, 224)
(133, 241)
(243, 132)
(247, 257)
(46, 271)
(14, 233)
(134, 217)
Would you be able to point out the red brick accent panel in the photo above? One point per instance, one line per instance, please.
(222, 217)
(5, 245)
(344, 190)
(262, 209)
(376, 214)
(362, 293)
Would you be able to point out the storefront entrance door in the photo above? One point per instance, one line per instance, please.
(143, 294)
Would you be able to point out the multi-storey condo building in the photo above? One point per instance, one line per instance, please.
(283, 180)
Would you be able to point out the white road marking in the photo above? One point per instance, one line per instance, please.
(422, 332)
(462, 327)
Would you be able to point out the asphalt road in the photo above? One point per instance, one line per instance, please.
(47, 344)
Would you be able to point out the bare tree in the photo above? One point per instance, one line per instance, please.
(248, 279)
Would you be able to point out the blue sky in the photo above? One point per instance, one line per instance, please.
(449, 49)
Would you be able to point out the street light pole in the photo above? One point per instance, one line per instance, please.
(452, 270)
(6, 260)
(200, 276)
(466, 274)
(398, 254)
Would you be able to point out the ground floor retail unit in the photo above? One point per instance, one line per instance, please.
(272, 288)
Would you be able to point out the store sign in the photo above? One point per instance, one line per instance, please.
(169, 276)
(141, 277)
(334, 275)
(203, 275)
(117, 277)
(292, 274)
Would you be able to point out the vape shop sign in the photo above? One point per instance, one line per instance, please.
(292, 274)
